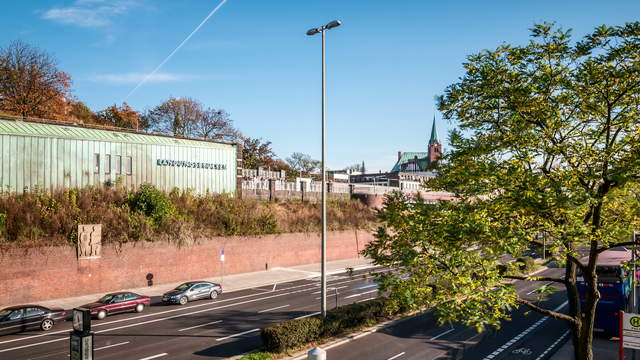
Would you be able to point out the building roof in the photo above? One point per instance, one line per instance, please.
(70, 131)
(434, 133)
(423, 160)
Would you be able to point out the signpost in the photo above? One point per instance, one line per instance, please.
(81, 338)
(221, 266)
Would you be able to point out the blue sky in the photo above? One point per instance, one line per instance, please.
(253, 59)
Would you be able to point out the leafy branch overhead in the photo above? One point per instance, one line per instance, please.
(547, 146)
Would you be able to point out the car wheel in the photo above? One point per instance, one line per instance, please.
(183, 300)
(213, 295)
(139, 308)
(102, 314)
(46, 324)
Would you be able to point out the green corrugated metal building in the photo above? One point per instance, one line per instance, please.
(49, 156)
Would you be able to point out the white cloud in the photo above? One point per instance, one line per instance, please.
(89, 13)
(135, 77)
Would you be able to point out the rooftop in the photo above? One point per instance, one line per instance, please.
(10, 125)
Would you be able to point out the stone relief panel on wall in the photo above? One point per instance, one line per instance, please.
(89, 241)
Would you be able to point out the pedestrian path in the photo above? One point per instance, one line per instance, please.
(229, 283)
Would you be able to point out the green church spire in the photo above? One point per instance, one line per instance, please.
(434, 133)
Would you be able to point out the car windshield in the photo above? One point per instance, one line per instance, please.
(183, 286)
(4, 312)
(105, 299)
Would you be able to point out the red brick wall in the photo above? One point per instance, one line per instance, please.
(29, 275)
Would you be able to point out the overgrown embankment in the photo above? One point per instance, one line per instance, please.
(37, 219)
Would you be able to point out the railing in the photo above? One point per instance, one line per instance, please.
(341, 188)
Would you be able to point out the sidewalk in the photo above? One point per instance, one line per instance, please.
(603, 349)
(230, 283)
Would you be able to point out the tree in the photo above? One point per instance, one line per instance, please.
(31, 84)
(81, 112)
(549, 145)
(122, 116)
(302, 163)
(189, 117)
(256, 153)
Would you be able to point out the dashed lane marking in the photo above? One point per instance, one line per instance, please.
(238, 334)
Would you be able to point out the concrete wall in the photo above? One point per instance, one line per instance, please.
(31, 275)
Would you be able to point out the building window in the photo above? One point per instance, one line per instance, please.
(107, 164)
(129, 165)
(118, 164)
(96, 163)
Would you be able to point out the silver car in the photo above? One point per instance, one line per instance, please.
(192, 290)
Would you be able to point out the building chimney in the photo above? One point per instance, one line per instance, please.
(399, 155)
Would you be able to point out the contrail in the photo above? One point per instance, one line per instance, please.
(146, 78)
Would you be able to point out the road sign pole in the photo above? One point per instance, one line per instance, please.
(621, 347)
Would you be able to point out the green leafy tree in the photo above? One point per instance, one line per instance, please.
(303, 163)
(548, 145)
(256, 152)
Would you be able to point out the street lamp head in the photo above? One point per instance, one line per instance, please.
(313, 31)
(334, 23)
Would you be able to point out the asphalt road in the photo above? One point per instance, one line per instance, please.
(215, 329)
(530, 336)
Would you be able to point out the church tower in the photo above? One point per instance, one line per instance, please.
(435, 147)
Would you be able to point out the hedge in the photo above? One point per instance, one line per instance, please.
(296, 333)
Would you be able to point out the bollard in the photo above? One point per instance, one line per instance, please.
(316, 354)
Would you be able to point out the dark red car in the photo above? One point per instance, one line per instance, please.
(117, 303)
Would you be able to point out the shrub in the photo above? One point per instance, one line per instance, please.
(152, 202)
(525, 263)
(257, 356)
(291, 334)
(296, 333)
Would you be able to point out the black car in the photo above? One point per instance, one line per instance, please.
(193, 290)
(29, 317)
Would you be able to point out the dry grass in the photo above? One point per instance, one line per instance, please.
(38, 219)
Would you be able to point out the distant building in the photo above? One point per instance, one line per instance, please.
(411, 169)
(420, 161)
(54, 155)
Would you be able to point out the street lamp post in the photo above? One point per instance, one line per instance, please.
(323, 266)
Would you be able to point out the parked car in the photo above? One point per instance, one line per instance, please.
(29, 317)
(117, 303)
(193, 290)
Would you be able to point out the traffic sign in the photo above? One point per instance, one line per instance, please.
(631, 330)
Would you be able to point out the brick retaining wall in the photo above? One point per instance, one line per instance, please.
(31, 275)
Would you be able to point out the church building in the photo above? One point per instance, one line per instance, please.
(420, 161)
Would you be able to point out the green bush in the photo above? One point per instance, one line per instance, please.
(291, 334)
(257, 356)
(525, 263)
(152, 202)
(296, 333)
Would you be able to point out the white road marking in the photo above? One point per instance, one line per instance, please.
(110, 346)
(201, 325)
(306, 316)
(274, 287)
(275, 308)
(522, 334)
(366, 292)
(396, 356)
(154, 356)
(65, 332)
(238, 334)
(363, 300)
(330, 289)
(182, 308)
(552, 345)
(443, 334)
